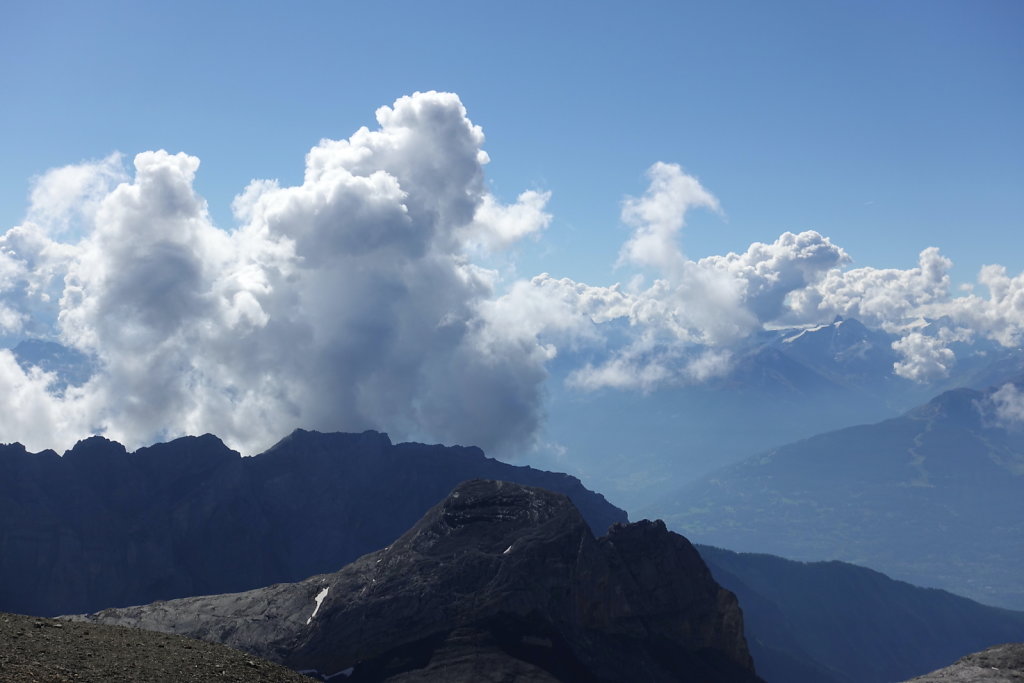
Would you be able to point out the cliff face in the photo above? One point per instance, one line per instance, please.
(498, 580)
(101, 527)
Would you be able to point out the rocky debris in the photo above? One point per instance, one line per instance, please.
(999, 664)
(52, 651)
(498, 581)
(101, 527)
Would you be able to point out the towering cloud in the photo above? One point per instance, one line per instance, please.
(346, 302)
(658, 216)
(352, 300)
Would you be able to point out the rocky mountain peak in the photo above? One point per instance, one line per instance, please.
(309, 440)
(486, 513)
(957, 406)
(95, 447)
(506, 573)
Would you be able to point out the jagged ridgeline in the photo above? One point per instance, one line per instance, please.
(101, 527)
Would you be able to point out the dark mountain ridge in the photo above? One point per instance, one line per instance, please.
(496, 582)
(101, 527)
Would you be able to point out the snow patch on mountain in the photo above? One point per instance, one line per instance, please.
(319, 601)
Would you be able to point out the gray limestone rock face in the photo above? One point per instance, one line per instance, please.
(497, 577)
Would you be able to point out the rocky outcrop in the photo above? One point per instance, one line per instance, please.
(999, 664)
(102, 527)
(497, 582)
(51, 651)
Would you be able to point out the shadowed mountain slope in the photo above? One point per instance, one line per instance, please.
(824, 622)
(496, 582)
(100, 527)
(935, 497)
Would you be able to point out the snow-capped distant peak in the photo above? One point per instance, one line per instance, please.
(816, 328)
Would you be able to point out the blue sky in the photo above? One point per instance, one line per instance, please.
(395, 288)
(887, 127)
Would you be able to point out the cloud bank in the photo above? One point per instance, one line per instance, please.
(688, 323)
(352, 300)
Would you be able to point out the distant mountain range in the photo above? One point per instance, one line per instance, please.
(935, 497)
(101, 527)
(785, 385)
(849, 354)
(497, 582)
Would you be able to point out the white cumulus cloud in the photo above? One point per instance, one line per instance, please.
(887, 296)
(1008, 404)
(658, 216)
(346, 302)
(64, 199)
(925, 358)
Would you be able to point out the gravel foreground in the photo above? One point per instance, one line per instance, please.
(37, 650)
